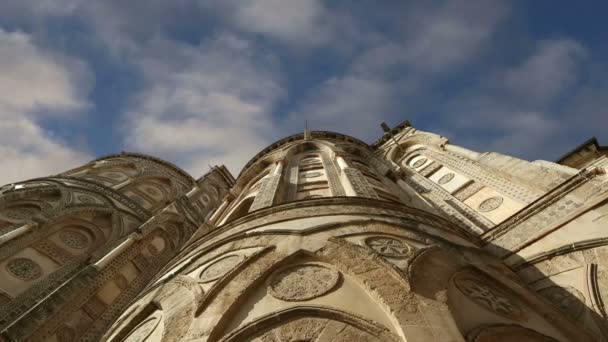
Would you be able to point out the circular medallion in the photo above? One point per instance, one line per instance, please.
(302, 282)
(488, 296)
(490, 204)
(74, 239)
(312, 174)
(446, 178)
(219, 268)
(24, 268)
(568, 299)
(418, 163)
(388, 247)
(143, 331)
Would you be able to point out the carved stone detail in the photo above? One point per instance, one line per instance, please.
(446, 178)
(418, 163)
(24, 268)
(303, 282)
(488, 296)
(312, 174)
(568, 299)
(19, 213)
(389, 247)
(490, 204)
(218, 268)
(74, 239)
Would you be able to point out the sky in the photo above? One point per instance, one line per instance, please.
(201, 83)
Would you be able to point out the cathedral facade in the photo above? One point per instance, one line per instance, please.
(321, 237)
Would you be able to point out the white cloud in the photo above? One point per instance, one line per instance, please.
(291, 20)
(205, 104)
(35, 83)
(554, 66)
(452, 34)
(34, 79)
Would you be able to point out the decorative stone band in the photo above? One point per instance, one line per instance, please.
(103, 262)
(15, 233)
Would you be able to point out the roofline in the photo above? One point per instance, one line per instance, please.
(223, 171)
(590, 141)
(163, 162)
(300, 136)
(386, 136)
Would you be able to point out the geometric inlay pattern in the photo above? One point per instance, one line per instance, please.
(303, 282)
(74, 239)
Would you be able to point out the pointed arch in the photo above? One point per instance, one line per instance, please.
(312, 322)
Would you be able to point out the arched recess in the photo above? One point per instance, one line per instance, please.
(303, 279)
(150, 192)
(240, 210)
(311, 323)
(475, 299)
(414, 141)
(32, 203)
(158, 246)
(311, 173)
(171, 306)
(109, 173)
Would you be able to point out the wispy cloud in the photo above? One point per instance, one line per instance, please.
(35, 84)
(210, 103)
(216, 81)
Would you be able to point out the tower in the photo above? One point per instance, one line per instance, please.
(321, 237)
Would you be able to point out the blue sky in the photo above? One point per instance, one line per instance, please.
(213, 82)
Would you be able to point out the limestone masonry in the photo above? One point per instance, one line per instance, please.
(321, 237)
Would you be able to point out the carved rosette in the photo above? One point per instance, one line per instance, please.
(389, 247)
(24, 269)
(489, 296)
(219, 268)
(303, 282)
